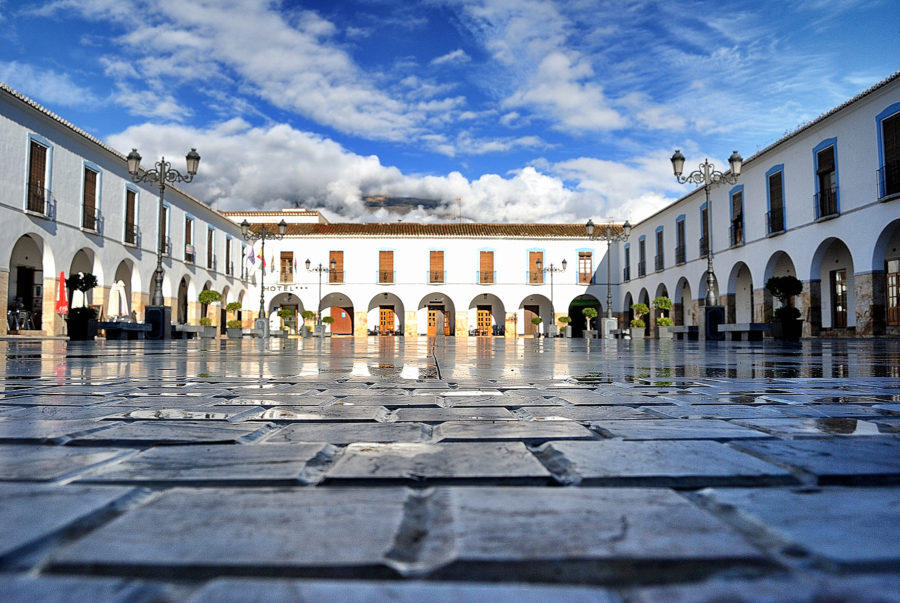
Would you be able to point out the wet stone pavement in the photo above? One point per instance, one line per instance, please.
(442, 470)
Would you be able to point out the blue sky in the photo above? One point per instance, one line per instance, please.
(505, 110)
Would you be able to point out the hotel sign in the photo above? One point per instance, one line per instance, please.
(286, 288)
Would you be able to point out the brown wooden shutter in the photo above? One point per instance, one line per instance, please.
(88, 219)
(37, 168)
(210, 259)
(486, 267)
(585, 267)
(436, 266)
(385, 266)
(287, 266)
(129, 216)
(336, 275)
(535, 275)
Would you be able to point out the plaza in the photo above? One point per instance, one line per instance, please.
(463, 469)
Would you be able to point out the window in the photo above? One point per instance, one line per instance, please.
(889, 151)
(626, 272)
(736, 230)
(659, 260)
(486, 274)
(826, 180)
(130, 217)
(436, 267)
(336, 275)
(838, 298)
(89, 199)
(229, 267)
(704, 239)
(775, 191)
(210, 249)
(164, 243)
(585, 267)
(189, 239)
(892, 268)
(535, 275)
(642, 256)
(286, 272)
(385, 266)
(680, 250)
(37, 178)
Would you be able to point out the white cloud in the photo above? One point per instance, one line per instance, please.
(457, 56)
(47, 86)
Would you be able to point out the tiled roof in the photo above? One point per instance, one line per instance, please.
(291, 212)
(454, 229)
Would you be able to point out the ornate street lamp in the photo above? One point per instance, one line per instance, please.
(162, 173)
(551, 269)
(610, 237)
(706, 176)
(263, 234)
(320, 269)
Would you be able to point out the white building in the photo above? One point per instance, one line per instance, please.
(822, 204)
(68, 205)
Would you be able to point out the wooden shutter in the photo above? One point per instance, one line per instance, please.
(210, 258)
(585, 267)
(287, 266)
(129, 216)
(336, 275)
(37, 168)
(385, 266)
(535, 275)
(436, 266)
(88, 218)
(486, 267)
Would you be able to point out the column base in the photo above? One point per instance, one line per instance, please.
(710, 319)
(160, 320)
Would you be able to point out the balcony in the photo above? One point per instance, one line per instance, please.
(704, 247)
(826, 203)
(90, 219)
(211, 262)
(335, 276)
(642, 268)
(38, 200)
(775, 221)
(437, 276)
(585, 278)
(486, 277)
(889, 180)
(736, 232)
(385, 277)
(626, 274)
(659, 263)
(680, 254)
(131, 234)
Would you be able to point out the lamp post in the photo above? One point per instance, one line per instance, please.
(707, 176)
(162, 173)
(610, 237)
(263, 234)
(320, 269)
(551, 269)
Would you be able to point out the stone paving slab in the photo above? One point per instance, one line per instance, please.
(672, 463)
(59, 413)
(834, 460)
(144, 433)
(388, 401)
(328, 414)
(38, 431)
(818, 522)
(226, 590)
(31, 512)
(47, 589)
(530, 432)
(222, 465)
(676, 429)
(439, 415)
(508, 462)
(48, 463)
(582, 413)
(271, 402)
(348, 433)
(716, 411)
(813, 428)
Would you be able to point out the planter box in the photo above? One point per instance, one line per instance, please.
(665, 332)
(787, 330)
(637, 332)
(81, 330)
(234, 332)
(208, 332)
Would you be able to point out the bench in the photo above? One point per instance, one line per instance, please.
(125, 330)
(185, 331)
(620, 333)
(753, 331)
(691, 332)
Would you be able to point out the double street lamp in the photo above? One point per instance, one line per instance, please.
(161, 174)
(610, 236)
(263, 234)
(707, 176)
(321, 269)
(551, 269)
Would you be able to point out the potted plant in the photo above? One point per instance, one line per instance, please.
(82, 321)
(589, 314)
(637, 324)
(567, 329)
(536, 321)
(206, 297)
(307, 315)
(233, 329)
(284, 314)
(664, 324)
(328, 320)
(786, 323)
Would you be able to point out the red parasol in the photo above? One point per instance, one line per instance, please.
(62, 303)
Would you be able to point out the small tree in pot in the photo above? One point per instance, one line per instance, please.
(566, 329)
(536, 320)
(663, 323)
(206, 297)
(637, 324)
(307, 315)
(328, 320)
(589, 314)
(81, 321)
(786, 323)
(234, 326)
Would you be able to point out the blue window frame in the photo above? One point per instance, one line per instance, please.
(825, 161)
(888, 128)
(775, 199)
(659, 258)
(680, 248)
(736, 205)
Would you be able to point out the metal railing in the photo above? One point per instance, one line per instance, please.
(535, 278)
(659, 263)
(680, 254)
(775, 221)
(486, 277)
(131, 234)
(642, 268)
(704, 247)
(335, 276)
(826, 202)
(736, 233)
(436, 276)
(626, 273)
(386, 276)
(888, 179)
(38, 199)
(90, 218)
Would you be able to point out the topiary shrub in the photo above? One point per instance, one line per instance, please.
(664, 321)
(208, 296)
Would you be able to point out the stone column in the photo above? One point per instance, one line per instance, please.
(762, 305)
(4, 295)
(871, 312)
(510, 325)
(812, 308)
(360, 324)
(730, 307)
(51, 322)
(462, 324)
(411, 323)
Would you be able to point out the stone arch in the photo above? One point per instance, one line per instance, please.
(702, 288)
(182, 307)
(531, 306)
(385, 315)
(85, 260)
(780, 264)
(285, 300)
(882, 286)
(340, 307)
(433, 310)
(629, 313)
(487, 315)
(121, 302)
(684, 311)
(32, 269)
(579, 320)
(739, 299)
(832, 268)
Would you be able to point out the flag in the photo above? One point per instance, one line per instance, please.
(62, 300)
(252, 256)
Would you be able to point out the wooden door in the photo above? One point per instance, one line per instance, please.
(483, 322)
(531, 312)
(386, 320)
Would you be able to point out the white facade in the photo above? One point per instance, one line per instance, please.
(851, 237)
(48, 228)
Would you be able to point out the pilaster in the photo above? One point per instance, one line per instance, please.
(869, 289)
(4, 295)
